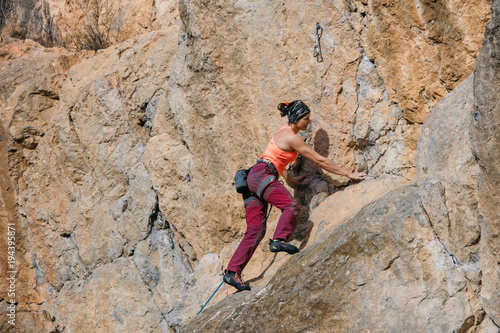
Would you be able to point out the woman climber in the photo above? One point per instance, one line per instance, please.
(265, 188)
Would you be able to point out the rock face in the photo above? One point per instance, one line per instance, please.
(384, 261)
(415, 250)
(117, 168)
(443, 33)
(28, 100)
(448, 174)
(75, 23)
(485, 136)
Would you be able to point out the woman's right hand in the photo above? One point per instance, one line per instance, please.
(293, 180)
(297, 180)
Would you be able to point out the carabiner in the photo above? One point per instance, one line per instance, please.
(319, 30)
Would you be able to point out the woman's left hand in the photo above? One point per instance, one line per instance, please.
(357, 175)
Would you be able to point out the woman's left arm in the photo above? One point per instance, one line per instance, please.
(300, 146)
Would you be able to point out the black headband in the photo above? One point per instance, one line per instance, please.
(296, 110)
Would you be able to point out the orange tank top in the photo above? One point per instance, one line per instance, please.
(278, 157)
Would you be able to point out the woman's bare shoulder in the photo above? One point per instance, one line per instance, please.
(284, 139)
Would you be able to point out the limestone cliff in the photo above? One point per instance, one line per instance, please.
(485, 135)
(117, 166)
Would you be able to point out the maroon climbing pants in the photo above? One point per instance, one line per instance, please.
(273, 192)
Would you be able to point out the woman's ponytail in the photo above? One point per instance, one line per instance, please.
(283, 107)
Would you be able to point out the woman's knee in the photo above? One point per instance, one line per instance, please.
(255, 234)
(261, 234)
(294, 207)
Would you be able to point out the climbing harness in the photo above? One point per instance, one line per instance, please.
(241, 184)
(266, 181)
(263, 184)
(317, 48)
(204, 305)
(270, 165)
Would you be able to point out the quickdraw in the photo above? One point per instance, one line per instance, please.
(317, 48)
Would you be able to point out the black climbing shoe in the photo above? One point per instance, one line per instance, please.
(279, 245)
(234, 279)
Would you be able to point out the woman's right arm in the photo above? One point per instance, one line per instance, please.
(300, 146)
